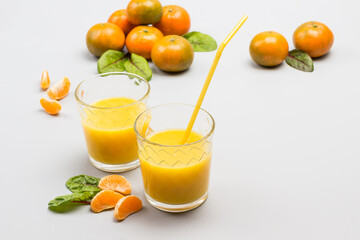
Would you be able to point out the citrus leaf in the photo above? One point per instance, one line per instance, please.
(83, 183)
(139, 66)
(111, 61)
(300, 60)
(201, 42)
(74, 198)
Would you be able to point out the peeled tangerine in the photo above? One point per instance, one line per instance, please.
(126, 206)
(45, 80)
(116, 183)
(105, 199)
(50, 106)
(59, 90)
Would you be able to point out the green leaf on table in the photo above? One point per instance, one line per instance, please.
(74, 198)
(201, 42)
(300, 60)
(139, 66)
(83, 183)
(112, 61)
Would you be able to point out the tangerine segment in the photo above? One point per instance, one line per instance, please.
(45, 80)
(126, 206)
(116, 183)
(50, 106)
(59, 90)
(105, 199)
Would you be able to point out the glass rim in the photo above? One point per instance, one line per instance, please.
(181, 145)
(112, 73)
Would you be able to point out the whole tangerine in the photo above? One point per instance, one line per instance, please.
(314, 38)
(104, 36)
(174, 21)
(144, 11)
(269, 48)
(141, 40)
(120, 19)
(172, 53)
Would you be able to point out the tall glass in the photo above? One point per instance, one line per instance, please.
(175, 175)
(108, 104)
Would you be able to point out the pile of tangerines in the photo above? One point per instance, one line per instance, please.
(270, 48)
(149, 30)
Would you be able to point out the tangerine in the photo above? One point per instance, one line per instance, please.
(141, 40)
(269, 48)
(59, 90)
(104, 36)
(105, 199)
(116, 183)
(52, 107)
(120, 19)
(45, 80)
(314, 38)
(174, 21)
(172, 54)
(144, 11)
(126, 206)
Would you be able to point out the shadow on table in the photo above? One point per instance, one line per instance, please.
(254, 65)
(88, 56)
(322, 58)
(158, 71)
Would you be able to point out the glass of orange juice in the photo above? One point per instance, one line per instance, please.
(175, 174)
(108, 104)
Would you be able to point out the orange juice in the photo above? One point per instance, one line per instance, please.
(175, 173)
(109, 131)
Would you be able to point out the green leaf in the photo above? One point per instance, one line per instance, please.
(83, 183)
(300, 60)
(139, 66)
(112, 61)
(201, 42)
(75, 198)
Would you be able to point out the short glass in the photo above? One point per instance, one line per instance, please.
(175, 175)
(108, 105)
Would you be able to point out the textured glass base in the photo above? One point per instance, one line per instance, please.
(115, 167)
(176, 207)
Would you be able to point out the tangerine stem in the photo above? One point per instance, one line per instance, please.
(209, 77)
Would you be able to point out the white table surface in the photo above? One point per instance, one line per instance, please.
(286, 151)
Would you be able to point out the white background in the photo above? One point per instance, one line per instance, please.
(286, 151)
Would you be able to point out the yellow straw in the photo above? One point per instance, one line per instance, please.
(209, 76)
